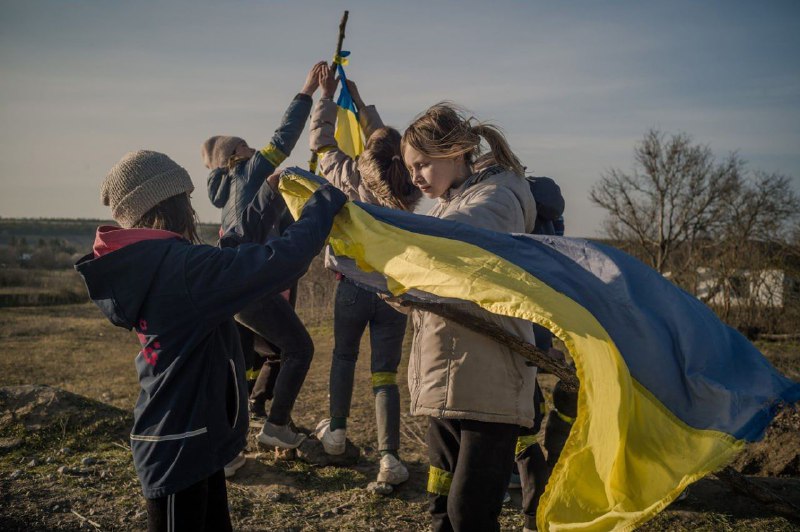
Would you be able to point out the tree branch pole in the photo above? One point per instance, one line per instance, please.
(569, 379)
(342, 26)
(538, 356)
(312, 162)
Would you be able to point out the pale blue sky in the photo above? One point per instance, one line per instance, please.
(574, 85)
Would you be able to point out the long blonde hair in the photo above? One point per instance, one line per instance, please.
(445, 132)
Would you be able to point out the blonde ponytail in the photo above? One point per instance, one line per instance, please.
(445, 132)
(498, 146)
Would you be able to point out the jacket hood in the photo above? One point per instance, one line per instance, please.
(121, 268)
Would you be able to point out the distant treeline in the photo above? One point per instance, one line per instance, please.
(73, 232)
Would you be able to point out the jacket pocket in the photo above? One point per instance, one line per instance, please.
(232, 403)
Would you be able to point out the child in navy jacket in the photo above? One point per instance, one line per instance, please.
(191, 416)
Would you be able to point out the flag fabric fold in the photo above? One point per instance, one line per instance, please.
(668, 392)
(348, 134)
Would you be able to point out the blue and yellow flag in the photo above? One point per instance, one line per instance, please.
(348, 133)
(668, 392)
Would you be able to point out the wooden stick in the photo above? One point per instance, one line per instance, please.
(342, 26)
(413, 433)
(86, 519)
(312, 161)
(779, 337)
(539, 357)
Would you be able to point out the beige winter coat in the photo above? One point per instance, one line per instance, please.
(454, 372)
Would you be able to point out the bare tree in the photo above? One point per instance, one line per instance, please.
(753, 245)
(710, 224)
(672, 199)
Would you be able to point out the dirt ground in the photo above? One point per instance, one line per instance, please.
(65, 460)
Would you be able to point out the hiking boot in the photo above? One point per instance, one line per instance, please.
(234, 465)
(392, 470)
(283, 436)
(258, 410)
(333, 441)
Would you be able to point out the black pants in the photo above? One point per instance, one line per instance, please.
(201, 506)
(264, 386)
(530, 461)
(470, 467)
(274, 319)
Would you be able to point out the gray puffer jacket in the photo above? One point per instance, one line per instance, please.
(454, 372)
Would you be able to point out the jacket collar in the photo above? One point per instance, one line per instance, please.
(471, 180)
(110, 238)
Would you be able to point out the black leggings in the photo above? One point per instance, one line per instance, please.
(201, 506)
(470, 467)
(274, 319)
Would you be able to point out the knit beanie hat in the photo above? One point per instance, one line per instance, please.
(140, 181)
(217, 150)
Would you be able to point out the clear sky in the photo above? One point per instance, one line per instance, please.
(573, 84)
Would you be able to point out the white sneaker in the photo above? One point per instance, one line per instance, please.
(283, 436)
(392, 470)
(234, 465)
(333, 441)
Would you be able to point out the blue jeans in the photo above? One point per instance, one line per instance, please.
(354, 309)
(274, 319)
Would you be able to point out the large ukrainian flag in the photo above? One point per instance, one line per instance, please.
(348, 132)
(668, 392)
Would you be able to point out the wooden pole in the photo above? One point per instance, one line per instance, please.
(342, 26)
(312, 162)
(539, 357)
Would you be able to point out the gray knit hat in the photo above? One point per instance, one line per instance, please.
(140, 181)
(217, 150)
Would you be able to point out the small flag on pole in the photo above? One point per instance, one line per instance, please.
(348, 132)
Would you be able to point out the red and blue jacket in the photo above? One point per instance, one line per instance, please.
(191, 416)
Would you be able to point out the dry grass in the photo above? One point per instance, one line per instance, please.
(73, 347)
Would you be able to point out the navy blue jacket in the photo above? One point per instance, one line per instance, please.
(232, 189)
(191, 416)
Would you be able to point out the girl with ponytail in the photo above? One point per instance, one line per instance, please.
(379, 177)
(476, 392)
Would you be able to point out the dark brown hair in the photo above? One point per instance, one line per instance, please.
(383, 172)
(173, 214)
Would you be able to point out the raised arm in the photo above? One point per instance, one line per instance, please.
(334, 165)
(368, 115)
(223, 281)
(291, 127)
